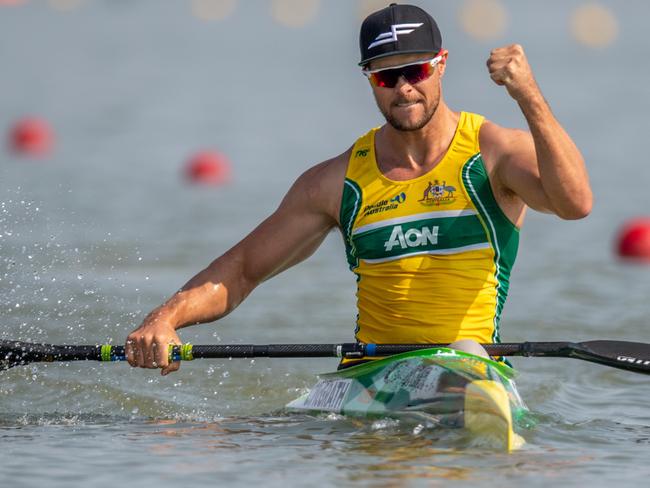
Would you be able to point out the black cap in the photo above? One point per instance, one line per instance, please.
(398, 29)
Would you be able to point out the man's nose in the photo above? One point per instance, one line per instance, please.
(403, 85)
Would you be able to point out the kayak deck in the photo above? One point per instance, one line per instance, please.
(448, 387)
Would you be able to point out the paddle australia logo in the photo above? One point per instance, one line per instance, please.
(437, 193)
(412, 237)
(384, 205)
(391, 35)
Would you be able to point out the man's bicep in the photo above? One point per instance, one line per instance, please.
(518, 172)
(292, 233)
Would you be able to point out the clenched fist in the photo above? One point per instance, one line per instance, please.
(509, 67)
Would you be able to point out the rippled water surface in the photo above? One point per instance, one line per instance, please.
(105, 229)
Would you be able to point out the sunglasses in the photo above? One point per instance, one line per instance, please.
(412, 72)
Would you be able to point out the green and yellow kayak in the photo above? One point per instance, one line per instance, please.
(449, 387)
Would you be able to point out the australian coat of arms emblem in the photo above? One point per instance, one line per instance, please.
(437, 193)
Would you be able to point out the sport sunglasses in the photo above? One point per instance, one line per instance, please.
(412, 72)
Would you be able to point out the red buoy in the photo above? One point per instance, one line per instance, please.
(32, 136)
(208, 168)
(634, 239)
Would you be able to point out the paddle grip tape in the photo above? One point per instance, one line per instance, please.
(184, 352)
(106, 352)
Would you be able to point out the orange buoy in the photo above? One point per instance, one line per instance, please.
(32, 136)
(208, 168)
(634, 239)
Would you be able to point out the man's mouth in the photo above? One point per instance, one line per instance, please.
(406, 104)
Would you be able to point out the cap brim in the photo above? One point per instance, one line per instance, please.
(394, 53)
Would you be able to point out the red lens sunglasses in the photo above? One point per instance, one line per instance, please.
(412, 72)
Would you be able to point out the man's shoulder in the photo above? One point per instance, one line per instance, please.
(497, 142)
(333, 168)
(335, 164)
(321, 186)
(495, 135)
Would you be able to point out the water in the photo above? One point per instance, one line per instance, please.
(105, 229)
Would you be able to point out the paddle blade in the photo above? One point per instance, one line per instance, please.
(630, 356)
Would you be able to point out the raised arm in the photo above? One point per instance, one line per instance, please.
(292, 233)
(544, 167)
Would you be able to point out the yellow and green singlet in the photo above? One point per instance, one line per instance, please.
(433, 254)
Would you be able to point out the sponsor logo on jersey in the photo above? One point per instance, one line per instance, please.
(437, 193)
(412, 237)
(384, 205)
(361, 153)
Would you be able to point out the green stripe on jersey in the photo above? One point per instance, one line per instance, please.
(350, 206)
(431, 235)
(504, 235)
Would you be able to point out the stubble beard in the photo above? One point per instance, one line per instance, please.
(410, 127)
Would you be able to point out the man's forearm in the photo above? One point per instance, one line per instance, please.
(208, 296)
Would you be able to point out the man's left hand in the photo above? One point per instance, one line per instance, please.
(509, 67)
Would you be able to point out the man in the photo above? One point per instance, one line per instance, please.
(429, 205)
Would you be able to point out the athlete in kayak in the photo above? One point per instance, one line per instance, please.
(429, 205)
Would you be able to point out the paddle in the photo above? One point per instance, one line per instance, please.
(630, 356)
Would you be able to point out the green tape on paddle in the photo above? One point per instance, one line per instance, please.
(106, 351)
(185, 353)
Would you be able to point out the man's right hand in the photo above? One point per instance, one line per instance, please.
(148, 345)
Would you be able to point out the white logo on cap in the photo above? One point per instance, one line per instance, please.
(391, 36)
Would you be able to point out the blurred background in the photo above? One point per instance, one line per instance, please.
(100, 222)
(144, 138)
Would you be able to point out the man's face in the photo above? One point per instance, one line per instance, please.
(408, 107)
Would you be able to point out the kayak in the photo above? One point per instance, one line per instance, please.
(441, 386)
